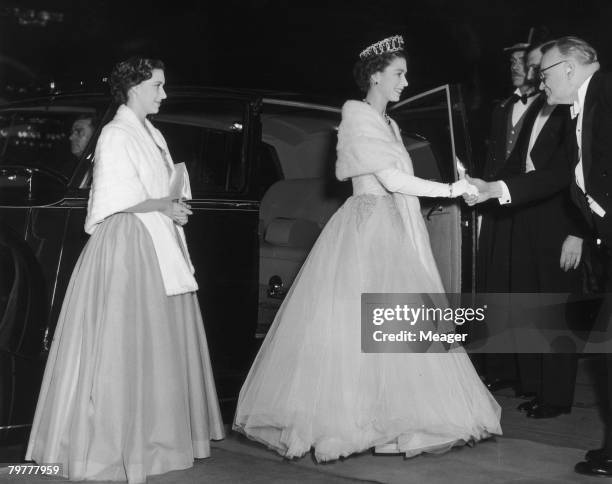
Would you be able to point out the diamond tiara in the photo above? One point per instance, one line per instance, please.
(390, 44)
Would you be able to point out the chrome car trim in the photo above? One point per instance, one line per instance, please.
(225, 204)
(9, 427)
(46, 342)
(419, 96)
(297, 104)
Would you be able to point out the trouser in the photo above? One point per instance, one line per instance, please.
(551, 377)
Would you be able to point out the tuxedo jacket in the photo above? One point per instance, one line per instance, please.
(596, 158)
(496, 145)
(493, 259)
(596, 154)
(540, 226)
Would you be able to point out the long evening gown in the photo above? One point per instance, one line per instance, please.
(128, 389)
(312, 387)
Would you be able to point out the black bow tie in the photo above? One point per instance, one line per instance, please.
(516, 98)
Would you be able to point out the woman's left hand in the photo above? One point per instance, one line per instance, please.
(178, 211)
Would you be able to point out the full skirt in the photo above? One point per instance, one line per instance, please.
(128, 389)
(312, 387)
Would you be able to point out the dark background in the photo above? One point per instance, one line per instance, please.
(289, 45)
(298, 46)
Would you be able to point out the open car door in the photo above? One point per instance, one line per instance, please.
(434, 129)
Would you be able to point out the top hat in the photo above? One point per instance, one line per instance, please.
(521, 45)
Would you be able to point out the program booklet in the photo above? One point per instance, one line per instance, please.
(179, 183)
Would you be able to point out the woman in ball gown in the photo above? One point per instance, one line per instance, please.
(128, 389)
(310, 385)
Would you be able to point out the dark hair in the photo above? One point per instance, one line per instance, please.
(364, 68)
(92, 118)
(129, 73)
(573, 47)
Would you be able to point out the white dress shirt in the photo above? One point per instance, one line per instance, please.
(539, 123)
(519, 108)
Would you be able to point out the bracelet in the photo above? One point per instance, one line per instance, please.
(450, 189)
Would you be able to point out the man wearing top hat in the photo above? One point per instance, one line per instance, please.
(493, 259)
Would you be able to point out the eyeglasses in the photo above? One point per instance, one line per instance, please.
(542, 76)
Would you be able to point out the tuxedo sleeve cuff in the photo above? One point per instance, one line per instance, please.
(505, 196)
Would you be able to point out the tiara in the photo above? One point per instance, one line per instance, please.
(390, 44)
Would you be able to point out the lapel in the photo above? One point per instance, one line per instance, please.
(580, 200)
(572, 154)
(551, 135)
(528, 123)
(503, 128)
(587, 123)
(572, 145)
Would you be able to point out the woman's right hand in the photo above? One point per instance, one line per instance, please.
(177, 210)
(463, 187)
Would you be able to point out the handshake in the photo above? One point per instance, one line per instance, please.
(475, 190)
(465, 189)
(485, 191)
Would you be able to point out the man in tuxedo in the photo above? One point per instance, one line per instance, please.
(506, 124)
(570, 75)
(545, 245)
(493, 258)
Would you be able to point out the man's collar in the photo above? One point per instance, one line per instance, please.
(524, 98)
(578, 105)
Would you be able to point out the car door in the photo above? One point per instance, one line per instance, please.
(217, 137)
(434, 129)
(41, 234)
(36, 243)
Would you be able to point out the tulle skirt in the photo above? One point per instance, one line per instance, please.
(312, 387)
(128, 389)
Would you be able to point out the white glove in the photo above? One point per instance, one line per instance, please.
(463, 186)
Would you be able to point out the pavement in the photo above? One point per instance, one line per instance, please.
(530, 452)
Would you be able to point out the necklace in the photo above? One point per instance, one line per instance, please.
(384, 115)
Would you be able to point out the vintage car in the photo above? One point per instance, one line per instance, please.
(262, 176)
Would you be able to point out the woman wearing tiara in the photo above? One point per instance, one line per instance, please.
(310, 385)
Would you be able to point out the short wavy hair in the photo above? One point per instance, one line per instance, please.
(574, 47)
(130, 73)
(364, 68)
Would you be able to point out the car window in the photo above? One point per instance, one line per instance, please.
(269, 168)
(428, 134)
(41, 139)
(304, 138)
(206, 135)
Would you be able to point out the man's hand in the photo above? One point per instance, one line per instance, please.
(571, 253)
(486, 190)
(463, 188)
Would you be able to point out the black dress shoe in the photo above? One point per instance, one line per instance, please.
(595, 468)
(598, 454)
(498, 383)
(526, 395)
(528, 406)
(547, 411)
